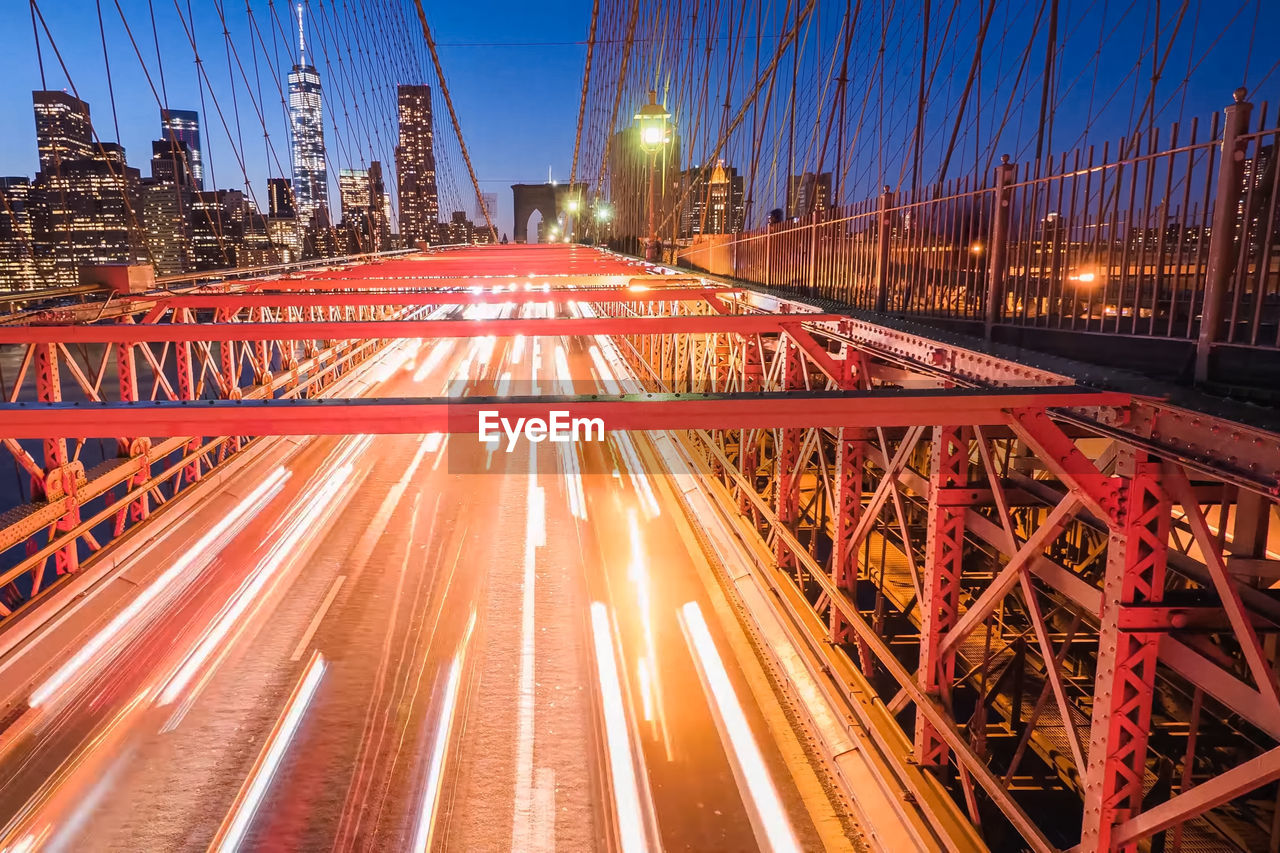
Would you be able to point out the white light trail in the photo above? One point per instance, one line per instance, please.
(197, 556)
(622, 768)
(573, 475)
(234, 830)
(440, 747)
(523, 832)
(439, 352)
(635, 470)
(562, 371)
(310, 517)
(735, 733)
(517, 349)
(504, 385)
(606, 375)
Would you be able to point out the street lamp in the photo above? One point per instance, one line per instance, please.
(655, 133)
(572, 218)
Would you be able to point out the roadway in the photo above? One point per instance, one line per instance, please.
(412, 643)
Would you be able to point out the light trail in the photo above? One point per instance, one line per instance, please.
(198, 555)
(638, 572)
(562, 371)
(622, 768)
(440, 746)
(523, 832)
(311, 516)
(602, 369)
(439, 352)
(573, 476)
(635, 470)
(768, 814)
(233, 829)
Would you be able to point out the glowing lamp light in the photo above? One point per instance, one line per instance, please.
(654, 131)
(603, 214)
(976, 248)
(1085, 277)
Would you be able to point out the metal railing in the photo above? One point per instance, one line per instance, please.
(1152, 238)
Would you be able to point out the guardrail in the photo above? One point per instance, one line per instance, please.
(1174, 239)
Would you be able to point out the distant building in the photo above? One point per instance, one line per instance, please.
(459, 230)
(184, 126)
(416, 166)
(491, 204)
(306, 117)
(379, 211)
(629, 189)
(808, 193)
(353, 189)
(64, 130)
(364, 220)
(17, 250)
(713, 201)
(84, 200)
(280, 203)
(218, 229)
(165, 201)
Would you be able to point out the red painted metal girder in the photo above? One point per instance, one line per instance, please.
(371, 329)
(298, 299)
(412, 415)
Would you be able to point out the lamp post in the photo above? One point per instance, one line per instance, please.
(572, 206)
(602, 214)
(655, 133)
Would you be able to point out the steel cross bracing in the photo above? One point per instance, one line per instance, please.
(1050, 609)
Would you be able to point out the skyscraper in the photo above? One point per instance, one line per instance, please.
(17, 252)
(165, 202)
(416, 166)
(280, 198)
(184, 126)
(380, 222)
(84, 200)
(87, 213)
(808, 193)
(63, 129)
(712, 202)
(353, 188)
(306, 115)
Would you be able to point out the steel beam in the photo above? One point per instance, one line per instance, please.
(1125, 681)
(485, 296)
(388, 329)
(53, 421)
(940, 584)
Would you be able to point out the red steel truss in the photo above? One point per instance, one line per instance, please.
(1049, 609)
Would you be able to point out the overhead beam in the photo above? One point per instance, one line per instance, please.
(485, 296)
(415, 415)
(371, 329)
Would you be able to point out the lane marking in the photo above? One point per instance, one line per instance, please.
(315, 621)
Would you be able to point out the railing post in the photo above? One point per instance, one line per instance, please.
(884, 226)
(812, 274)
(768, 255)
(998, 251)
(1222, 238)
